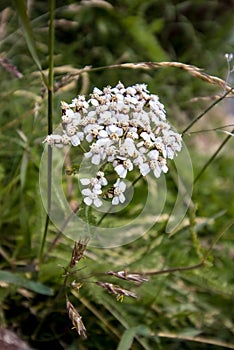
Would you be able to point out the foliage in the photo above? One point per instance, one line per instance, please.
(180, 309)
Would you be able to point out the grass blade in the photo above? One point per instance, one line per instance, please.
(127, 339)
(28, 34)
(21, 281)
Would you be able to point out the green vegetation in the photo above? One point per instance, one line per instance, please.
(52, 52)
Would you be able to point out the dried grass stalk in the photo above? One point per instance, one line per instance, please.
(76, 319)
(191, 69)
(8, 66)
(135, 277)
(116, 290)
(78, 252)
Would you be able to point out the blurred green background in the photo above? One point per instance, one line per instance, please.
(171, 309)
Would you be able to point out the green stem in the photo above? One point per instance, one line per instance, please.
(50, 122)
(51, 67)
(212, 158)
(206, 110)
(202, 263)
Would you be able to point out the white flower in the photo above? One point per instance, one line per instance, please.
(91, 194)
(97, 91)
(153, 154)
(124, 127)
(123, 168)
(94, 102)
(77, 138)
(149, 137)
(155, 166)
(79, 103)
(106, 117)
(93, 131)
(114, 130)
(144, 169)
(71, 130)
(66, 140)
(91, 197)
(111, 151)
(98, 150)
(93, 182)
(101, 178)
(85, 181)
(128, 147)
(163, 164)
(54, 140)
(119, 188)
(76, 119)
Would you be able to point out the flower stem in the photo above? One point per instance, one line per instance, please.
(212, 157)
(206, 110)
(50, 122)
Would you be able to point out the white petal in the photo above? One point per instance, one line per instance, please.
(165, 168)
(86, 192)
(104, 181)
(170, 153)
(115, 201)
(69, 112)
(91, 114)
(145, 136)
(153, 154)
(97, 91)
(102, 133)
(96, 159)
(97, 186)
(75, 141)
(85, 181)
(89, 138)
(121, 171)
(94, 102)
(122, 186)
(88, 201)
(157, 172)
(144, 169)
(97, 202)
(121, 198)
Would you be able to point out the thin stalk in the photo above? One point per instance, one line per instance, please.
(219, 128)
(212, 157)
(203, 261)
(206, 110)
(50, 121)
(51, 67)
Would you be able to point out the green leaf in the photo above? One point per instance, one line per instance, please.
(28, 34)
(21, 281)
(144, 37)
(127, 339)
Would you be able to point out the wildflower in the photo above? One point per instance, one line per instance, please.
(54, 140)
(124, 127)
(122, 168)
(119, 188)
(91, 196)
(94, 189)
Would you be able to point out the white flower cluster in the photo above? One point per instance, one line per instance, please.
(124, 126)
